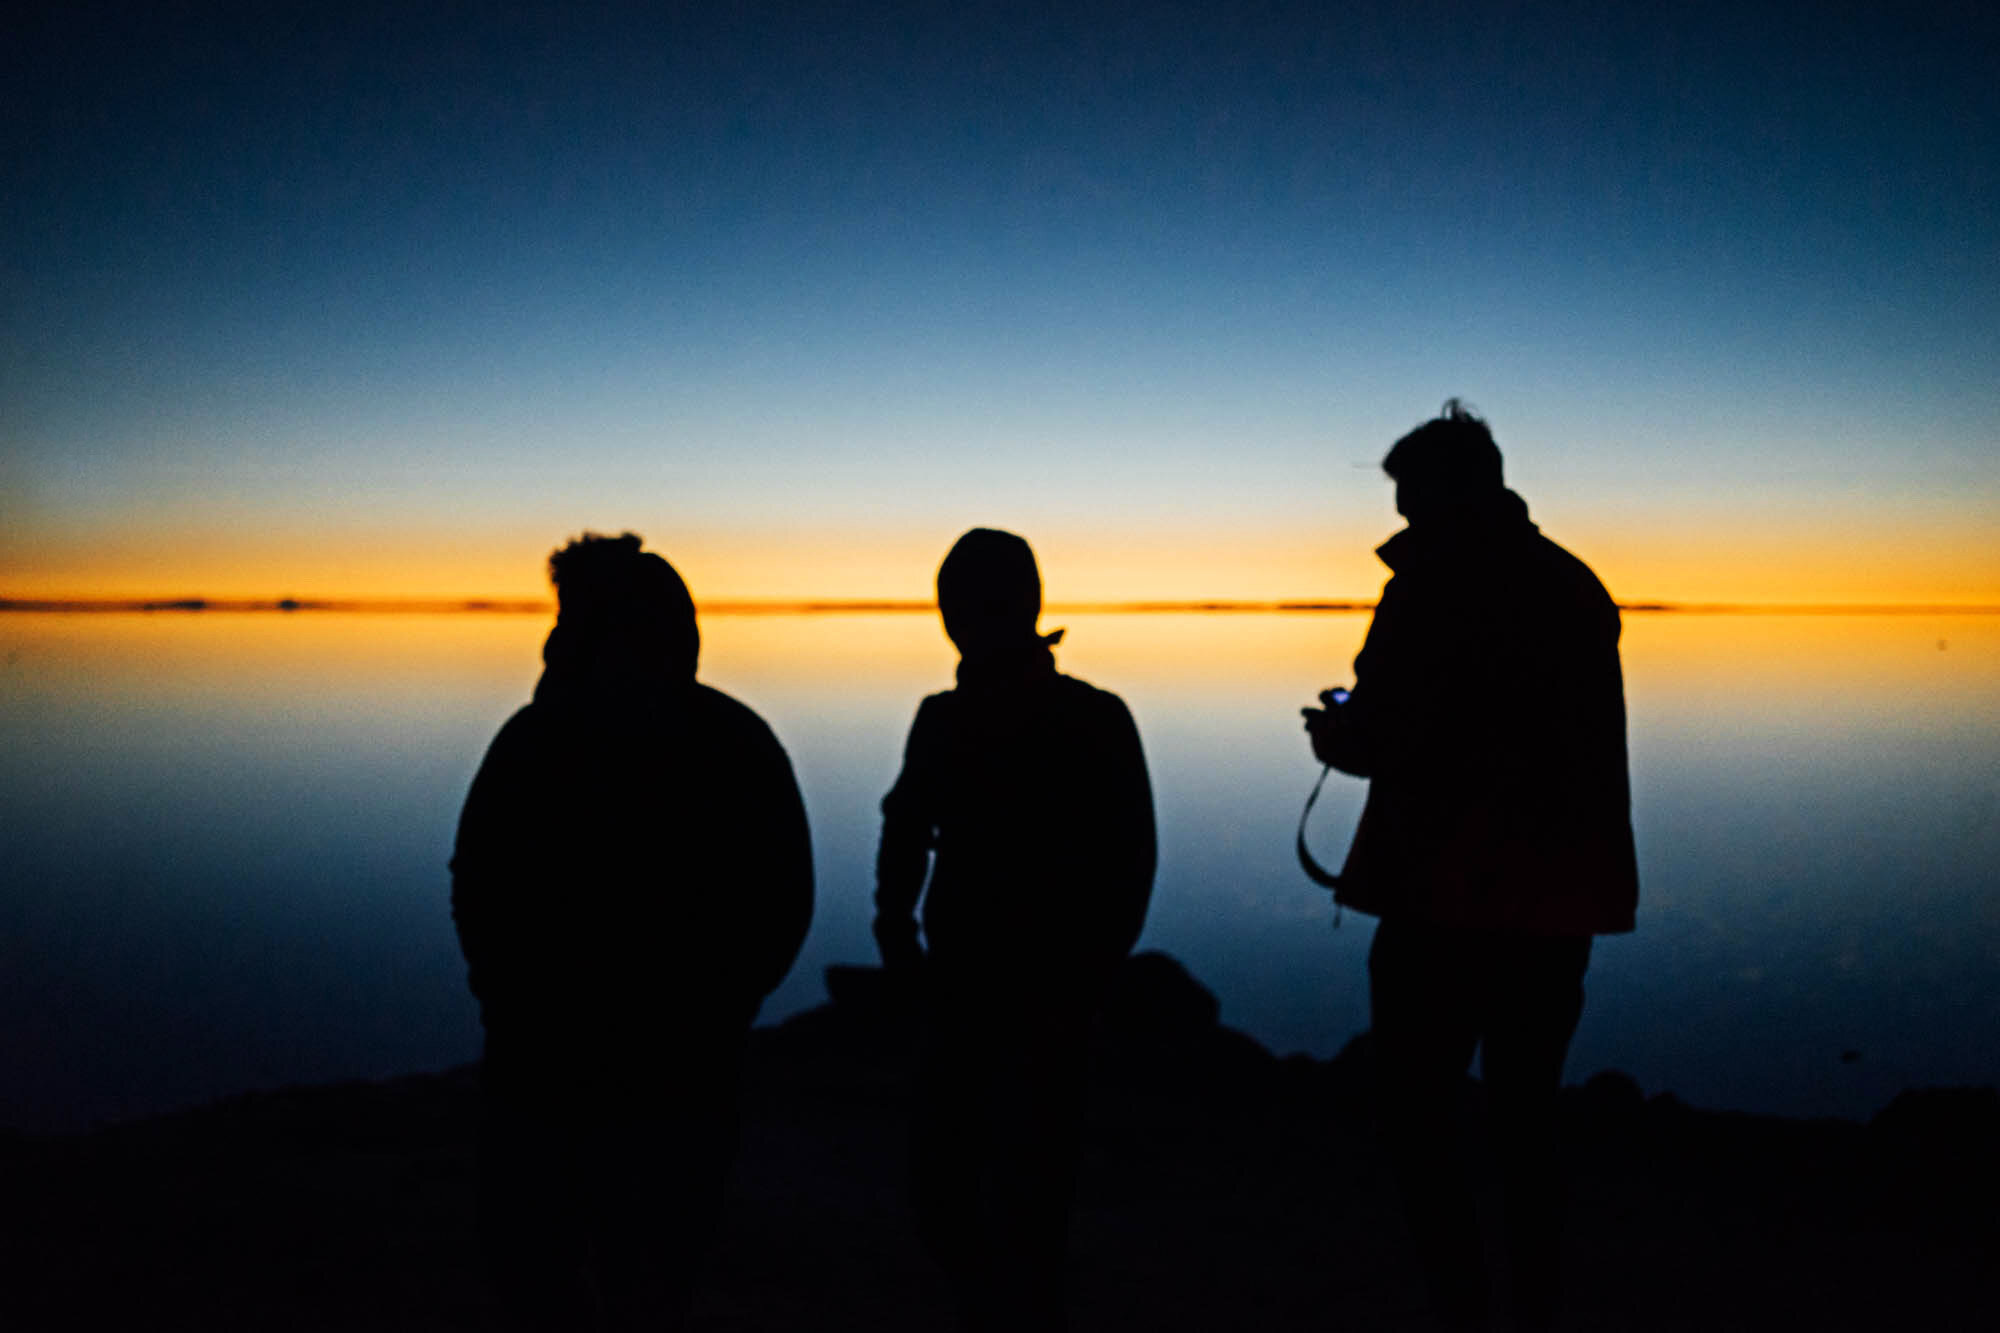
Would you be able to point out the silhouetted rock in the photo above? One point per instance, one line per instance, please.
(1221, 1189)
(1611, 1099)
(1155, 995)
(1937, 1156)
(1959, 1121)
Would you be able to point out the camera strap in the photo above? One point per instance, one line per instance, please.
(1316, 872)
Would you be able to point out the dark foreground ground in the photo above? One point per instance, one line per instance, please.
(1223, 1189)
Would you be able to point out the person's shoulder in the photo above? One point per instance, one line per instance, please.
(520, 747)
(728, 714)
(1566, 563)
(934, 706)
(526, 728)
(1565, 573)
(1086, 697)
(1080, 687)
(527, 718)
(714, 703)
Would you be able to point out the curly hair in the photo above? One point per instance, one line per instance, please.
(1452, 452)
(597, 576)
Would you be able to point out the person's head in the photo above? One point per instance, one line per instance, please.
(1447, 464)
(620, 612)
(989, 592)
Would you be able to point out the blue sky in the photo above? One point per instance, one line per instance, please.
(381, 301)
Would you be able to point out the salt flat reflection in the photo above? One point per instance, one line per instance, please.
(227, 832)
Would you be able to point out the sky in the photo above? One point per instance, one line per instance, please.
(387, 300)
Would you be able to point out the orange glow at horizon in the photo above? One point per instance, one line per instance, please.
(1776, 563)
(1674, 661)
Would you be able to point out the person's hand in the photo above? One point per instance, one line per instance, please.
(1323, 723)
(1319, 727)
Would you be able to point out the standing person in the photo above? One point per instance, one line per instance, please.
(1024, 799)
(1488, 712)
(633, 875)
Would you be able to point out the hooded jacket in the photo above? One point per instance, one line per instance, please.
(1030, 788)
(1488, 711)
(633, 871)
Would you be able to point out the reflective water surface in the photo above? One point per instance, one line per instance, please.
(223, 838)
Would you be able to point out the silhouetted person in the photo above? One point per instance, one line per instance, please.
(1024, 797)
(1488, 711)
(633, 875)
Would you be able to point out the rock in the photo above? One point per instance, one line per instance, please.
(1155, 996)
(1947, 1119)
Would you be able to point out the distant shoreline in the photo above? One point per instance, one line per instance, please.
(506, 606)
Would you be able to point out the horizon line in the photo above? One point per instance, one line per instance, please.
(878, 606)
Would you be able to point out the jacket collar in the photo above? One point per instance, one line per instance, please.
(1023, 664)
(1501, 518)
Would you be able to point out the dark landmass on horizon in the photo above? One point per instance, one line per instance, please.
(507, 606)
(1223, 1188)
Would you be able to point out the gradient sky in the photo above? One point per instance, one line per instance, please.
(389, 301)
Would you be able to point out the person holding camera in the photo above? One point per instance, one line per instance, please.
(1488, 714)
